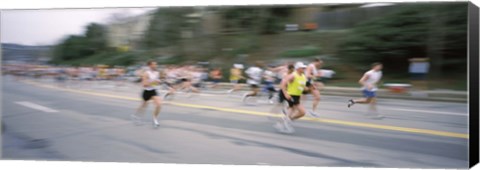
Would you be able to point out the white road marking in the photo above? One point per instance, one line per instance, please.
(36, 106)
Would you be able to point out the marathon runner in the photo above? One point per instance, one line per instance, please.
(254, 74)
(150, 79)
(312, 74)
(369, 83)
(292, 88)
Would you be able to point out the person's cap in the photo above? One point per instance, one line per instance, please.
(300, 65)
(239, 66)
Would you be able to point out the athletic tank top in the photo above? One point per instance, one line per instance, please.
(314, 69)
(235, 74)
(296, 87)
(151, 77)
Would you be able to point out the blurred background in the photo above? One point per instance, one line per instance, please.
(70, 80)
(430, 38)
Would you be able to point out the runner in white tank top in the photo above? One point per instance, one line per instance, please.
(369, 83)
(150, 79)
(312, 73)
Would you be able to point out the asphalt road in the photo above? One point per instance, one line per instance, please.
(90, 122)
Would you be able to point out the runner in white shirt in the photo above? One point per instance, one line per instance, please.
(150, 79)
(281, 70)
(186, 76)
(269, 88)
(197, 79)
(369, 83)
(254, 79)
(312, 74)
(169, 79)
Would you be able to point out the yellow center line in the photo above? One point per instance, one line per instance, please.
(323, 120)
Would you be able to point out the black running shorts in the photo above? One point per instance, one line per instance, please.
(148, 94)
(309, 82)
(295, 100)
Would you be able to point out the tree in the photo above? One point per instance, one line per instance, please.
(71, 48)
(166, 27)
(96, 38)
(259, 20)
(437, 31)
(79, 46)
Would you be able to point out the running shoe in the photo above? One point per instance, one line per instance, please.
(313, 114)
(376, 116)
(288, 125)
(285, 111)
(279, 126)
(155, 123)
(350, 103)
(136, 119)
(270, 101)
(164, 96)
(189, 94)
(379, 117)
(244, 97)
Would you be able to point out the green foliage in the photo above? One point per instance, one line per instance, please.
(166, 26)
(73, 47)
(410, 31)
(173, 60)
(111, 57)
(240, 17)
(275, 19)
(244, 44)
(79, 46)
(302, 52)
(96, 37)
(258, 20)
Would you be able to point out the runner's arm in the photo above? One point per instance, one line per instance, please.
(145, 81)
(309, 72)
(276, 69)
(363, 79)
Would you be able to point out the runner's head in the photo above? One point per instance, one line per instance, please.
(259, 64)
(238, 66)
(318, 62)
(377, 66)
(291, 68)
(152, 65)
(300, 67)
